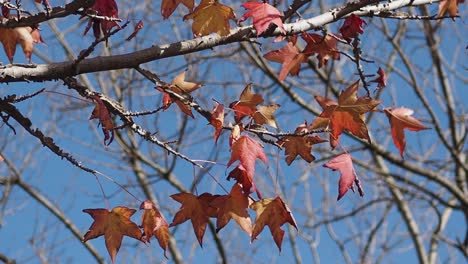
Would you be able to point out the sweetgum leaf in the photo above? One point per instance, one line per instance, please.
(211, 17)
(263, 15)
(154, 224)
(348, 177)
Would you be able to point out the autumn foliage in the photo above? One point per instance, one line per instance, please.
(248, 123)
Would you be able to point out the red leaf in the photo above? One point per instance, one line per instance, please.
(348, 177)
(263, 15)
(323, 46)
(247, 104)
(246, 151)
(105, 8)
(290, 57)
(113, 225)
(381, 80)
(217, 120)
(154, 224)
(400, 118)
(352, 26)
(102, 114)
(247, 183)
(197, 209)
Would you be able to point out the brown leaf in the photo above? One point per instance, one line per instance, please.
(301, 146)
(169, 6)
(197, 209)
(324, 47)
(450, 7)
(247, 104)
(346, 114)
(274, 213)
(113, 225)
(217, 120)
(154, 224)
(25, 36)
(400, 118)
(234, 205)
(264, 115)
(211, 17)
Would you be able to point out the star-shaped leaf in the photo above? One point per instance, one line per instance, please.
(274, 213)
(264, 115)
(323, 46)
(246, 151)
(263, 15)
(346, 114)
(197, 209)
(233, 206)
(247, 104)
(211, 17)
(302, 146)
(113, 225)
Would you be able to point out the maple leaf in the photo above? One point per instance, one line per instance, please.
(217, 120)
(102, 114)
(25, 36)
(154, 224)
(105, 8)
(274, 213)
(301, 146)
(197, 209)
(169, 6)
(290, 57)
(247, 104)
(264, 115)
(323, 46)
(263, 14)
(113, 225)
(182, 88)
(346, 114)
(348, 177)
(450, 7)
(352, 26)
(211, 17)
(233, 206)
(246, 151)
(244, 180)
(381, 80)
(400, 118)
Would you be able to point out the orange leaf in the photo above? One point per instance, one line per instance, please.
(324, 47)
(169, 6)
(195, 208)
(290, 57)
(450, 7)
(100, 112)
(25, 36)
(211, 17)
(113, 225)
(217, 119)
(264, 115)
(246, 151)
(346, 114)
(400, 118)
(247, 104)
(153, 223)
(274, 213)
(348, 177)
(182, 88)
(263, 15)
(301, 146)
(234, 205)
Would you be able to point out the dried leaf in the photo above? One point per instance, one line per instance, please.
(274, 213)
(154, 224)
(264, 115)
(247, 104)
(169, 6)
(234, 205)
(113, 225)
(102, 114)
(197, 209)
(323, 46)
(450, 7)
(25, 36)
(217, 120)
(211, 17)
